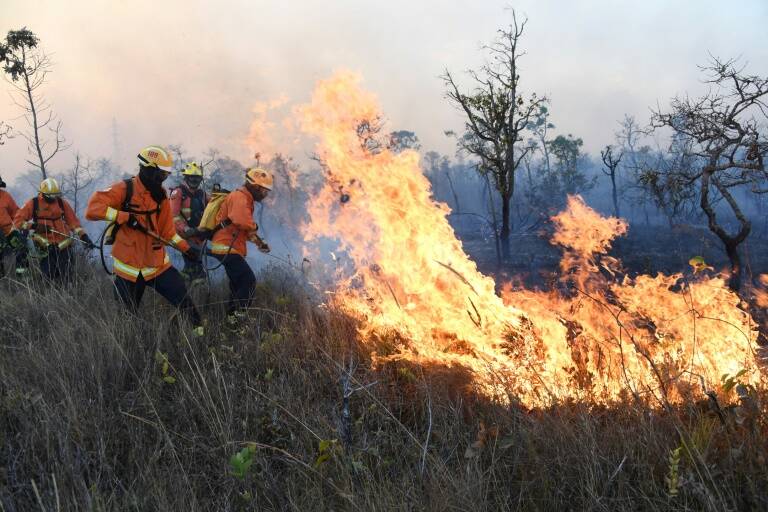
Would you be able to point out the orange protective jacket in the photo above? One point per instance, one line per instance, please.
(8, 209)
(181, 207)
(55, 222)
(238, 210)
(134, 252)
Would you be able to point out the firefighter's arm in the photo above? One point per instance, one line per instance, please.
(105, 205)
(71, 219)
(259, 242)
(178, 219)
(240, 214)
(12, 206)
(23, 218)
(6, 216)
(167, 230)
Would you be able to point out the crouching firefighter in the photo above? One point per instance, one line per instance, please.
(188, 202)
(53, 227)
(10, 244)
(234, 227)
(142, 226)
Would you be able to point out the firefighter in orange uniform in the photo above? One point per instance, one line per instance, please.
(234, 227)
(143, 225)
(188, 202)
(8, 209)
(54, 227)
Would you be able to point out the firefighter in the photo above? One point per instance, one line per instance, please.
(140, 212)
(54, 227)
(8, 209)
(235, 226)
(188, 202)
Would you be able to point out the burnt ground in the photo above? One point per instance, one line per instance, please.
(644, 249)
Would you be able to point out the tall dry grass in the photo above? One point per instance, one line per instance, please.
(100, 410)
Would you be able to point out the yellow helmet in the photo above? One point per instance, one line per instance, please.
(192, 169)
(49, 187)
(156, 156)
(260, 177)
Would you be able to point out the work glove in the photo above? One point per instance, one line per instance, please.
(88, 242)
(188, 232)
(16, 240)
(193, 253)
(262, 246)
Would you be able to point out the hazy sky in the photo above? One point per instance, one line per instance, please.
(193, 72)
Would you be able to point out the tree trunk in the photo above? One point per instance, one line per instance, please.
(33, 111)
(732, 250)
(615, 196)
(453, 192)
(495, 224)
(505, 225)
(731, 243)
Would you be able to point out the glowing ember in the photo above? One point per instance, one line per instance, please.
(605, 337)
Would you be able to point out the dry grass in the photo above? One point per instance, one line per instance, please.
(88, 422)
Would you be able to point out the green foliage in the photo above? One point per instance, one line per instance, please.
(11, 51)
(327, 448)
(162, 359)
(728, 382)
(242, 461)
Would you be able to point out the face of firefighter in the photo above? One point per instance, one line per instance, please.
(48, 198)
(152, 175)
(193, 182)
(259, 193)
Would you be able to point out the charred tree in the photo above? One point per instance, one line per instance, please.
(612, 162)
(496, 116)
(725, 132)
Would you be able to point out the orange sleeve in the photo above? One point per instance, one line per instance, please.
(105, 204)
(7, 211)
(23, 216)
(73, 223)
(167, 229)
(176, 200)
(240, 214)
(12, 206)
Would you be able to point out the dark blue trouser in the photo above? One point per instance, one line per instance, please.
(169, 284)
(242, 282)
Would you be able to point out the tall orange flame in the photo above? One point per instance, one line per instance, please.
(609, 336)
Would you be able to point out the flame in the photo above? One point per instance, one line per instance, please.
(600, 336)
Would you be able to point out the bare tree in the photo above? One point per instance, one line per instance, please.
(77, 180)
(28, 66)
(496, 116)
(722, 132)
(612, 162)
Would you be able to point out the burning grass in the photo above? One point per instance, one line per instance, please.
(90, 420)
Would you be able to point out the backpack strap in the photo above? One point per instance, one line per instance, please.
(126, 207)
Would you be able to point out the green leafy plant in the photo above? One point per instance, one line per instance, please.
(165, 367)
(242, 461)
(326, 449)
